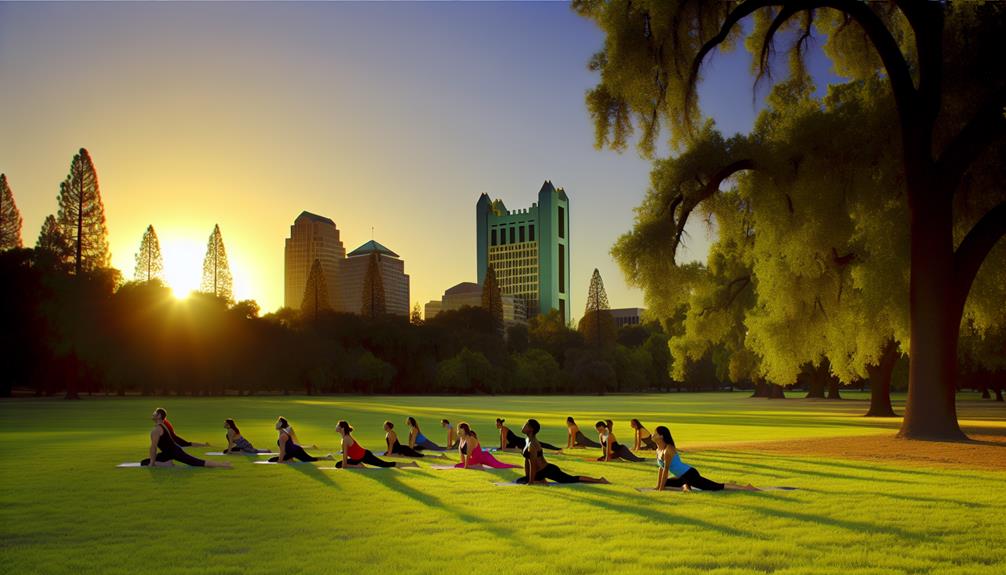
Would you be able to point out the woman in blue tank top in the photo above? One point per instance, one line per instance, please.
(685, 476)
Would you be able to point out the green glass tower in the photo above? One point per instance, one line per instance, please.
(528, 249)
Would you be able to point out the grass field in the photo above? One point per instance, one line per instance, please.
(66, 508)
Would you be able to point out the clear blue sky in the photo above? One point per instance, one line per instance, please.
(394, 116)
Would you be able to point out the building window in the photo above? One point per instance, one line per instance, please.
(562, 222)
(522, 233)
(494, 236)
(502, 237)
(530, 232)
(562, 268)
(512, 238)
(562, 309)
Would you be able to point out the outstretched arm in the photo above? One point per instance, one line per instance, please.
(155, 434)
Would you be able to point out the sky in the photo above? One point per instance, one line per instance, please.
(389, 118)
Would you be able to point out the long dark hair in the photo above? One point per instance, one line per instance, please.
(468, 429)
(283, 423)
(160, 411)
(412, 423)
(569, 421)
(343, 424)
(634, 424)
(609, 423)
(230, 423)
(389, 425)
(603, 424)
(665, 434)
(444, 422)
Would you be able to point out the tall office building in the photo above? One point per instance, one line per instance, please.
(311, 237)
(528, 248)
(353, 273)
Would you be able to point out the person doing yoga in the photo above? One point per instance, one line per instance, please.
(575, 438)
(643, 437)
(685, 476)
(163, 449)
(452, 438)
(353, 455)
(236, 443)
(537, 470)
(612, 449)
(471, 452)
(288, 447)
(417, 440)
(394, 447)
(511, 441)
(174, 437)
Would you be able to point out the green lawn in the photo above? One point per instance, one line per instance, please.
(66, 508)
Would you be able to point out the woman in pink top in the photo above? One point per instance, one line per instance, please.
(472, 454)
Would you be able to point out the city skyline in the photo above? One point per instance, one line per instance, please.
(251, 121)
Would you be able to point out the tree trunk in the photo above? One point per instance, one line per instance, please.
(935, 317)
(985, 392)
(815, 384)
(760, 389)
(880, 382)
(999, 394)
(776, 392)
(833, 386)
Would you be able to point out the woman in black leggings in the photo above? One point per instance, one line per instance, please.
(613, 450)
(644, 439)
(576, 438)
(540, 470)
(163, 449)
(288, 447)
(510, 440)
(685, 476)
(353, 455)
(394, 447)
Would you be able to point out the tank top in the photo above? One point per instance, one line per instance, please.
(355, 451)
(165, 443)
(678, 467)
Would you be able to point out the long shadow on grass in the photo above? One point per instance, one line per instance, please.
(847, 524)
(392, 482)
(657, 514)
(316, 474)
(726, 460)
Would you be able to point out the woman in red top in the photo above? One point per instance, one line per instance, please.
(171, 431)
(353, 455)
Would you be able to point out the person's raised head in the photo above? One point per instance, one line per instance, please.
(411, 422)
(282, 423)
(445, 423)
(160, 414)
(601, 426)
(499, 422)
(343, 427)
(569, 421)
(634, 424)
(388, 426)
(229, 423)
(532, 427)
(664, 434)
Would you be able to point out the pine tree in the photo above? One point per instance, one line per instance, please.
(491, 298)
(416, 318)
(216, 271)
(10, 218)
(597, 325)
(149, 263)
(315, 292)
(373, 289)
(51, 244)
(82, 215)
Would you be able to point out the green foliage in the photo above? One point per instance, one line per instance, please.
(217, 280)
(466, 372)
(52, 249)
(10, 218)
(535, 371)
(81, 215)
(149, 263)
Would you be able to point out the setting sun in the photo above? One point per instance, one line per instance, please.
(183, 263)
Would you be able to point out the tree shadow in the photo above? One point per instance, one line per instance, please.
(728, 461)
(847, 524)
(318, 475)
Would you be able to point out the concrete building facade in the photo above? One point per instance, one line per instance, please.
(528, 248)
(311, 237)
(470, 294)
(353, 273)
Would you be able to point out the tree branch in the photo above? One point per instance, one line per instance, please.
(987, 126)
(974, 248)
(710, 188)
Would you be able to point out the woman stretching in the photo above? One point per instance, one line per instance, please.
(452, 439)
(163, 449)
(395, 448)
(171, 432)
(419, 441)
(537, 470)
(236, 443)
(471, 452)
(685, 476)
(510, 440)
(575, 438)
(288, 447)
(613, 450)
(644, 439)
(353, 455)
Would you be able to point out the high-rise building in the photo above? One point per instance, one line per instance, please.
(353, 274)
(528, 249)
(470, 294)
(311, 237)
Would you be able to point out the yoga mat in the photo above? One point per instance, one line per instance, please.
(770, 488)
(278, 463)
(514, 483)
(129, 464)
(353, 468)
(452, 467)
(270, 454)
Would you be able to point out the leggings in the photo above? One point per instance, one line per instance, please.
(181, 442)
(622, 452)
(647, 443)
(405, 450)
(582, 441)
(693, 479)
(513, 441)
(427, 444)
(549, 446)
(178, 456)
(294, 452)
(370, 459)
(551, 471)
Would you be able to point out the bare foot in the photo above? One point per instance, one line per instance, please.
(605, 481)
(685, 488)
(329, 457)
(409, 464)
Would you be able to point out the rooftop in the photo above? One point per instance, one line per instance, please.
(314, 217)
(371, 247)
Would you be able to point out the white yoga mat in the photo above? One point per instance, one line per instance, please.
(444, 467)
(129, 464)
(278, 463)
(513, 483)
(696, 489)
(267, 453)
